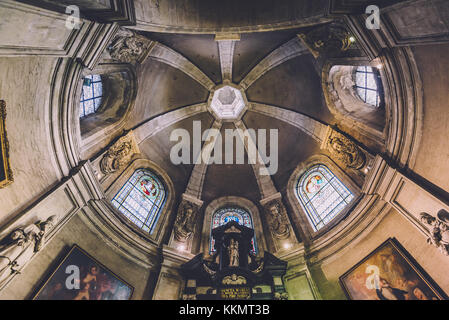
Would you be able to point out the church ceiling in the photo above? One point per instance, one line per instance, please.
(253, 47)
(268, 75)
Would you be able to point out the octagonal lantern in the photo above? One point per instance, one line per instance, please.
(227, 103)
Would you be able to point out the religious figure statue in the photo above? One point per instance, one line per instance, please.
(118, 155)
(18, 247)
(185, 221)
(345, 151)
(439, 230)
(233, 250)
(276, 220)
(129, 47)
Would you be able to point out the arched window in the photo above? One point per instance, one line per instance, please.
(141, 199)
(91, 95)
(368, 85)
(227, 214)
(322, 195)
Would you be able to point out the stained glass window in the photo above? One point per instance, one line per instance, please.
(322, 195)
(91, 95)
(225, 215)
(141, 199)
(367, 85)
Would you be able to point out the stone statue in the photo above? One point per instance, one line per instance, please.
(18, 247)
(439, 230)
(185, 221)
(119, 154)
(346, 151)
(277, 220)
(233, 250)
(129, 47)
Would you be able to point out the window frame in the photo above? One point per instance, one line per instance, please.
(380, 94)
(299, 218)
(315, 218)
(93, 98)
(159, 206)
(114, 182)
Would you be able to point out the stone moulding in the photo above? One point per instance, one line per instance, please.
(6, 175)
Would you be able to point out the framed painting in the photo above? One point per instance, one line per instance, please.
(389, 273)
(81, 277)
(5, 169)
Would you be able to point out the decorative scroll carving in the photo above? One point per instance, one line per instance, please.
(129, 47)
(18, 247)
(185, 221)
(280, 296)
(6, 176)
(119, 154)
(439, 231)
(233, 280)
(277, 219)
(344, 150)
(328, 40)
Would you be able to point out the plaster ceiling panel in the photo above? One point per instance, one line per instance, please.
(293, 85)
(294, 146)
(200, 49)
(230, 180)
(253, 47)
(158, 147)
(163, 88)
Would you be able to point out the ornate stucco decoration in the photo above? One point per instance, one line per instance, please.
(119, 154)
(439, 230)
(6, 176)
(17, 248)
(343, 150)
(280, 296)
(130, 47)
(277, 219)
(185, 220)
(329, 40)
(234, 280)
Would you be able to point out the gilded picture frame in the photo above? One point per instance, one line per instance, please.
(6, 176)
(95, 281)
(389, 273)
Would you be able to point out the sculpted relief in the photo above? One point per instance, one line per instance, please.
(185, 221)
(119, 154)
(277, 219)
(129, 47)
(344, 150)
(18, 247)
(438, 230)
(329, 40)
